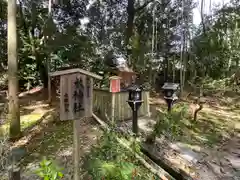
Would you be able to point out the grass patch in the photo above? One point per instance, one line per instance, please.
(26, 121)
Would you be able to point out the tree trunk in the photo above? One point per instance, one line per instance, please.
(130, 21)
(13, 113)
(182, 52)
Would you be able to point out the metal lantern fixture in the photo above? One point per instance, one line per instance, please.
(135, 102)
(170, 93)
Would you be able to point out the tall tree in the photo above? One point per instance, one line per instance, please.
(14, 115)
(131, 12)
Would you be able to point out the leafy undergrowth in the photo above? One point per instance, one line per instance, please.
(211, 127)
(110, 161)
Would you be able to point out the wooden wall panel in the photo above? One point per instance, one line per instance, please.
(103, 107)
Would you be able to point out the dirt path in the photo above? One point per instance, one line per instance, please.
(224, 161)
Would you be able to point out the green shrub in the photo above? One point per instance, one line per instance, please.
(170, 124)
(110, 161)
(49, 171)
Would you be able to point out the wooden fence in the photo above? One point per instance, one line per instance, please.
(110, 106)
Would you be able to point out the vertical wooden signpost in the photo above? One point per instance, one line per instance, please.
(114, 88)
(76, 89)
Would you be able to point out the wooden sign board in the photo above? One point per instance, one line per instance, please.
(115, 84)
(76, 93)
(73, 101)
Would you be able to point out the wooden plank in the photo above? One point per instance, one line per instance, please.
(76, 70)
(120, 108)
(71, 88)
(76, 148)
(67, 85)
(63, 91)
(49, 90)
(90, 101)
(85, 99)
(82, 113)
(89, 95)
(102, 101)
(147, 103)
(113, 104)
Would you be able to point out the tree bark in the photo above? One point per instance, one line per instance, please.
(13, 112)
(130, 20)
(131, 11)
(202, 17)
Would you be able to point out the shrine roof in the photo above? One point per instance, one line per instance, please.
(76, 70)
(125, 69)
(115, 77)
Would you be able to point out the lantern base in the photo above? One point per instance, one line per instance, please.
(169, 103)
(135, 122)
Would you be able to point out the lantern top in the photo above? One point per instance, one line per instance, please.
(134, 87)
(170, 86)
(76, 70)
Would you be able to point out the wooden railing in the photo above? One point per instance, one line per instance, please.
(114, 107)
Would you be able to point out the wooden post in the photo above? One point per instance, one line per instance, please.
(113, 107)
(49, 90)
(76, 126)
(76, 129)
(91, 98)
(114, 87)
(70, 103)
(14, 173)
(147, 103)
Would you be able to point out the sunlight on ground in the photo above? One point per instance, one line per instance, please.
(212, 126)
(39, 104)
(29, 120)
(25, 120)
(29, 115)
(66, 152)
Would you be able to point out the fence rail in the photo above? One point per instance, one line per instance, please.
(114, 106)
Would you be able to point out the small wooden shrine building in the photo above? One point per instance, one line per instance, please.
(127, 75)
(76, 92)
(119, 67)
